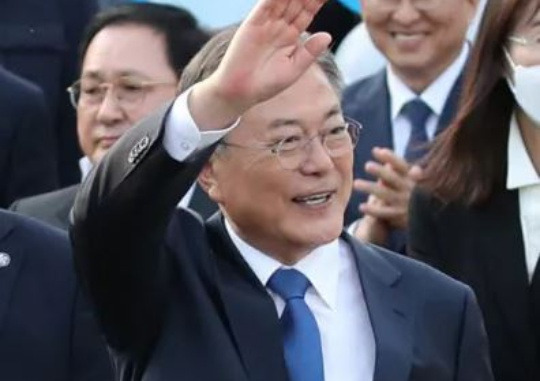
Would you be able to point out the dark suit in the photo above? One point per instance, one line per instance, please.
(28, 163)
(54, 207)
(176, 299)
(40, 42)
(368, 101)
(483, 247)
(47, 331)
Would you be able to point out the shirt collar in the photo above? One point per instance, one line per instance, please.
(321, 266)
(435, 95)
(85, 165)
(521, 171)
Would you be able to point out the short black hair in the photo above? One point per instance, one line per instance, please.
(181, 31)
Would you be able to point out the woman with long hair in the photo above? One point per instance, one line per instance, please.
(476, 214)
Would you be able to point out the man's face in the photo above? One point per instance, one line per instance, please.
(134, 58)
(418, 42)
(285, 212)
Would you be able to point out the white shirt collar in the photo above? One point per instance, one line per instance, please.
(85, 165)
(321, 266)
(435, 95)
(521, 171)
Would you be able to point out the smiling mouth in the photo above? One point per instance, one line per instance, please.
(407, 36)
(314, 199)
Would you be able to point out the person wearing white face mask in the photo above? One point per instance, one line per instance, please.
(476, 213)
(525, 80)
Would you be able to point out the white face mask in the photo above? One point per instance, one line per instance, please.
(526, 88)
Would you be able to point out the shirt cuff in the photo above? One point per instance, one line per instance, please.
(182, 137)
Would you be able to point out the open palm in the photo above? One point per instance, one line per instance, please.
(266, 55)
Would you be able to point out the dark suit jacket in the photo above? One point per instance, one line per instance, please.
(176, 299)
(40, 42)
(47, 331)
(483, 247)
(368, 101)
(54, 207)
(28, 163)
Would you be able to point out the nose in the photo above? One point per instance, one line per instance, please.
(405, 13)
(109, 111)
(317, 160)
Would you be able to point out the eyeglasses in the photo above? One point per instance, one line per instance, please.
(292, 151)
(533, 41)
(127, 91)
(420, 5)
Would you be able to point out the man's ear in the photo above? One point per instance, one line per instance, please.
(208, 181)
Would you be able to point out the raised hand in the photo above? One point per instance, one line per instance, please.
(265, 56)
(395, 182)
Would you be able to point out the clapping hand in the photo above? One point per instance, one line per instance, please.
(395, 181)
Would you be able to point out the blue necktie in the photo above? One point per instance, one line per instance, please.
(301, 337)
(417, 112)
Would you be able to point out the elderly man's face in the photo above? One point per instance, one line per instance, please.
(285, 212)
(133, 58)
(419, 41)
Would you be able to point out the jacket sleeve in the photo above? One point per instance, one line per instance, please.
(89, 358)
(118, 226)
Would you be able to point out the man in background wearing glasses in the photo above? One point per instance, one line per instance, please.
(131, 61)
(270, 289)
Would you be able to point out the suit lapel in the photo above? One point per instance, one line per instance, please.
(8, 274)
(371, 107)
(201, 203)
(375, 119)
(503, 256)
(450, 107)
(253, 319)
(391, 313)
(250, 310)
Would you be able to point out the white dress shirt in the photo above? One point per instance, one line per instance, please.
(336, 300)
(523, 176)
(335, 297)
(85, 166)
(435, 96)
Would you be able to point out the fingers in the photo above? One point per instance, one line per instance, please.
(269, 36)
(387, 175)
(387, 156)
(380, 210)
(304, 18)
(372, 230)
(380, 191)
(393, 171)
(294, 9)
(268, 9)
(297, 12)
(394, 215)
(307, 53)
(416, 173)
